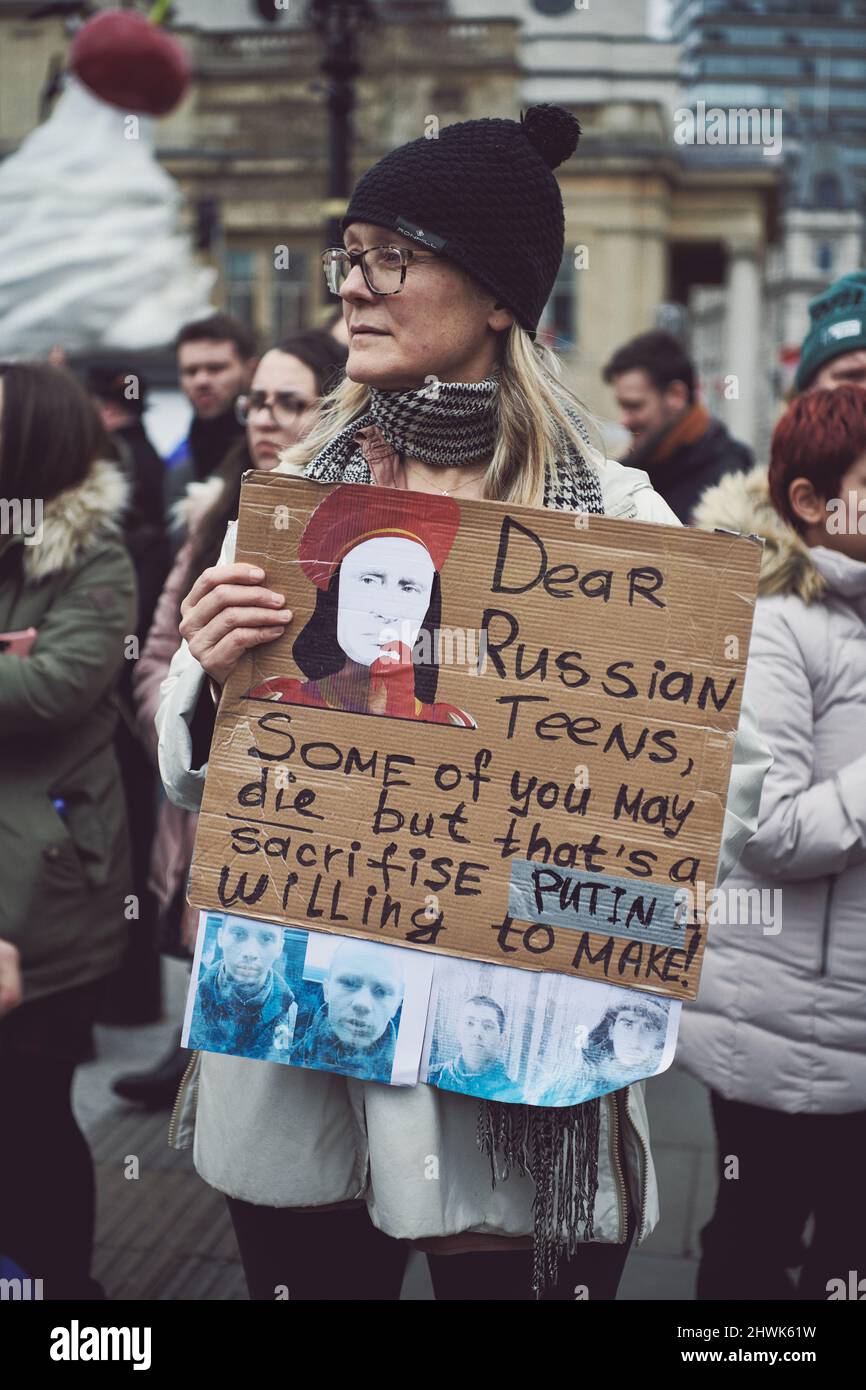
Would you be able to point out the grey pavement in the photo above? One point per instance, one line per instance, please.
(178, 1244)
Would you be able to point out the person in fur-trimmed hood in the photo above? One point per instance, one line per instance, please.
(63, 839)
(778, 1032)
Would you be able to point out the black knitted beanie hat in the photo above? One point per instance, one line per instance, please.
(484, 195)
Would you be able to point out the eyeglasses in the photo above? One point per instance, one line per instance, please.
(383, 267)
(285, 406)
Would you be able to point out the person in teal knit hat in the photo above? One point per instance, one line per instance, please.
(834, 350)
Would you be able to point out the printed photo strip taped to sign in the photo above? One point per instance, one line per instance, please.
(599, 739)
(526, 1037)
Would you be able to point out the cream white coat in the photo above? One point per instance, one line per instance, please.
(283, 1136)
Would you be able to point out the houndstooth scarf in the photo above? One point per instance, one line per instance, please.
(449, 424)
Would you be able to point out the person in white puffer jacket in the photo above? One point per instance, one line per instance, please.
(778, 1032)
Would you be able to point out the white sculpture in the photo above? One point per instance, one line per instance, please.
(92, 252)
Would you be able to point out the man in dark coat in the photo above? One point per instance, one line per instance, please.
(353, 1032)
(120, 396)
(675, 439)
(243, 1005)
(215, 364)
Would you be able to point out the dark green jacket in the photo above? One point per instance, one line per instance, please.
(64, 873)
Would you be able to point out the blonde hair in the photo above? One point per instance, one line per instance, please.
(535, 411)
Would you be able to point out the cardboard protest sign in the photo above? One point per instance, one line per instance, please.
(497, 732)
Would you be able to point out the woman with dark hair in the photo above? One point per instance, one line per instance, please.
(63, 837)
(283, 403)
(282, 406)
(451, 250)
(778, 1032)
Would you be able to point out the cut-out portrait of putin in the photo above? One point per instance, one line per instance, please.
(374, 556)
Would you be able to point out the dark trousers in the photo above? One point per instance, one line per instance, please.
(790, 1167)
(341, 1256)
(47, 1186)
(47, 1200)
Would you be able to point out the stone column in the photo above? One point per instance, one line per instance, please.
(742, 356)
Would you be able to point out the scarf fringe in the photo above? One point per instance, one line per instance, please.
(557, 1148)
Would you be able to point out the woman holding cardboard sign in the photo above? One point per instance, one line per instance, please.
(451, 249)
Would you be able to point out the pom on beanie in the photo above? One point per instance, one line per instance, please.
(484, 195)
(553, 131)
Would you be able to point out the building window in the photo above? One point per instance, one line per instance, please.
(824, 256)
(240, 286)
(552, 7)
(828, 192)
(452, 99)
(557, 327)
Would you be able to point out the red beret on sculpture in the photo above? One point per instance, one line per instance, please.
(354, 513)
(130, 63)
